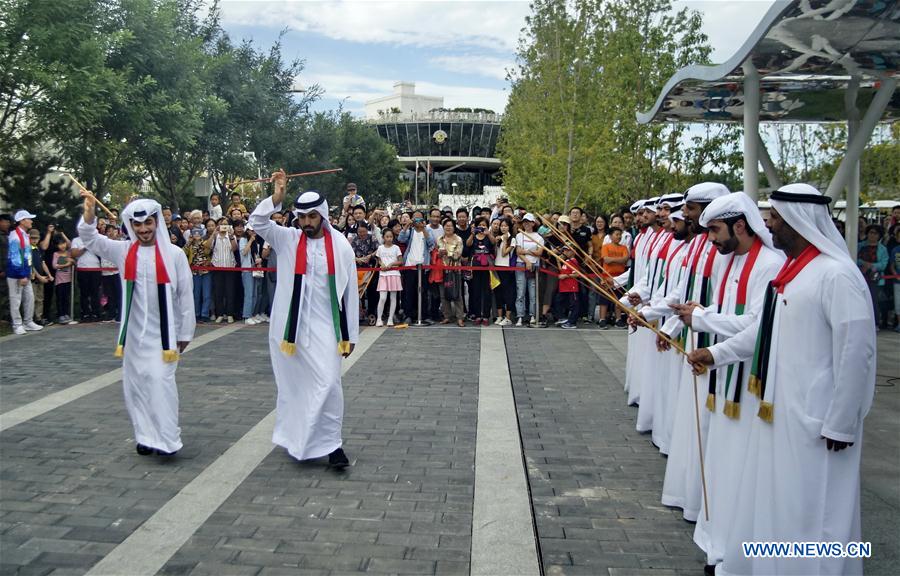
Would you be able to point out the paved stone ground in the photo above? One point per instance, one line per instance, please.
(72, 488)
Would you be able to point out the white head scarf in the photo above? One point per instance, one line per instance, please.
(636, 207)
(737, 204)
(705, 192)
(673, 201)
(312, 201)
(141, 209)
(651, 204)
(676, 215)
(805, 210)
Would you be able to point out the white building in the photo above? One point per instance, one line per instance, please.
(405, 100)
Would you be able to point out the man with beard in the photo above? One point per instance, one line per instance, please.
(644, 291)
(682, 487)
(314, 322)
(813, 372)
(643, 218)
(738, 233)
(668, 373)
(157, 318)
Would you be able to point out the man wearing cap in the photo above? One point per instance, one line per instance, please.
(666, 376)
(640, 341)
(646, 373)
(682, 486)
(157, 318)
(18, 275)
(739, 234)
(314, 322)
(813, 372)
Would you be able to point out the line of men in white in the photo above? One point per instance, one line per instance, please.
(705, 263)
(778, 319)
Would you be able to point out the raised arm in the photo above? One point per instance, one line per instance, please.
(112, 250)
(278, 237)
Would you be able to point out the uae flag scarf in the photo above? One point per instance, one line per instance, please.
(338, 310)
(733, 393)
(166, 315)
(764, 339)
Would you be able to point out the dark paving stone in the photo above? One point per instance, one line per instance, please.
(410, 435)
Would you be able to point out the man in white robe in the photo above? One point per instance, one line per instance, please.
(641, 339)
(627, 279)
(668, 373)
(814, 370)
(682, 486)
(314, 322)
(644, 291)
(738, 232)
(157, 319)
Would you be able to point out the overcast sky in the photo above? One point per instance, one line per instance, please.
(455, 49)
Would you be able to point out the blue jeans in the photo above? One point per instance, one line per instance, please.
(260, 296)
(524, 287)
(247, 281)
(202, 295)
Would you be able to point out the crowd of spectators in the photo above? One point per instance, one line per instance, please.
(482, 265)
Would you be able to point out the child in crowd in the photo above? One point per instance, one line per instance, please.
(389, 284)
(62, 265)
(567, 290)
(614, 259)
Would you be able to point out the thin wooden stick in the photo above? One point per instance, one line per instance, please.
(699, 439)
(99, 203)
(297, 175)
(366, 281)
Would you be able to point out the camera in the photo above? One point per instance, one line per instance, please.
(479, 229)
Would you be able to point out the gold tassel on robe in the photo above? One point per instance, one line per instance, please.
(711, 402)
(766, 411)
(120, 351)
(732, 409)
(343, 347)
(288, 348)
(170, 355)
(753, 385)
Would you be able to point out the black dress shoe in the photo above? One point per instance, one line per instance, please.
(144, 450)
(338, 459)
(709, 569)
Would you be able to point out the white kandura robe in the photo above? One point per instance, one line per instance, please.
(823, 376)
(668, 373)
(638, 340)
(151, 395)
(682, 486)
(310, 404)
(648, 379)
(726, 444)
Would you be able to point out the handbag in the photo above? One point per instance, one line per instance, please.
(451, 285)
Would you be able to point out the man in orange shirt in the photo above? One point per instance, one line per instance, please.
(614, 257)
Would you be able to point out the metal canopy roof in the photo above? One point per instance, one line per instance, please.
(806, 52)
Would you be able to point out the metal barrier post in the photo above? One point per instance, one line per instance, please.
(419, 293)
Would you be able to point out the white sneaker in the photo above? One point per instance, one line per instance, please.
(390, 323)
(230, 319)
(379, 324)
(18, 330)
(33, 327)
(251, 321)
(519, 322)
(258, 318)
(498, 320)
(219, 319)
(505, 322)
(263, 317)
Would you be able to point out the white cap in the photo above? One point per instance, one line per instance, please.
(705, 192)
(23, 215)
(529, 217)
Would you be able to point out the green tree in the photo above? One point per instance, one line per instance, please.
(28, 181)
(583, 70)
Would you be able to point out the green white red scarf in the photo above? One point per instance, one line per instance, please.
(762, 355)
(733, 398)
(166, 315)
(338, 312)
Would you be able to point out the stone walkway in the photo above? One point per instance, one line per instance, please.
(72, 489)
